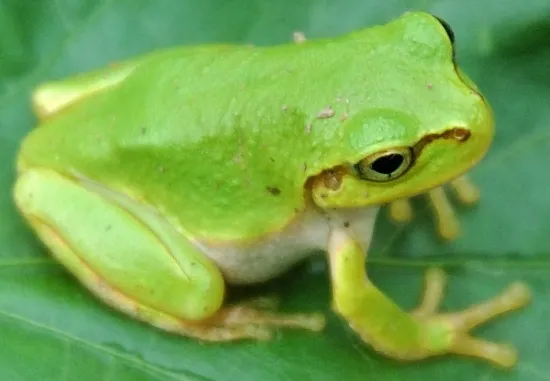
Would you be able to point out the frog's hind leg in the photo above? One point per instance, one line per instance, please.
(131, 258)
(242, 321)
(248, 320)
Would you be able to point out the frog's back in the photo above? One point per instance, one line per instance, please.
(227, 158)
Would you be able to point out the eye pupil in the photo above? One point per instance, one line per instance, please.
(388, 164)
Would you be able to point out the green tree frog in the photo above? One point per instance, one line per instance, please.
(160, 180)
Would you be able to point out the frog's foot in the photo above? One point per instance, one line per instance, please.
(448, 226)
(449, 332)
(422, 333)
(249, 320)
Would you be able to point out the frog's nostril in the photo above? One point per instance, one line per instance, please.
(461, 134)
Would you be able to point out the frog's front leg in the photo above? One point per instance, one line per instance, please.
(447, 224)
(422, 333)
(133, 259)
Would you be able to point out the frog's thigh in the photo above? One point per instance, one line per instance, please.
(135, 261)
(158, 278)
(51, 97)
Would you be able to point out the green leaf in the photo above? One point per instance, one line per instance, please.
(53, 329)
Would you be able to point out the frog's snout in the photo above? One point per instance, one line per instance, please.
(482, 127)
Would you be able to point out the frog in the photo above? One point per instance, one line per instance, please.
(161, 181)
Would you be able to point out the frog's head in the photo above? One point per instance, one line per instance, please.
(428, 127)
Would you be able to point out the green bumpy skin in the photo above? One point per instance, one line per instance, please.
(155, 179)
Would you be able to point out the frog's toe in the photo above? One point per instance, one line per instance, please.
(401, 210)
(211, 333)
(447, 224)
(449, 333)
(466, 191)
(503, 355)
(243, 321)
(244, 315)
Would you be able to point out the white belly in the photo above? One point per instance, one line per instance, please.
(303, 237)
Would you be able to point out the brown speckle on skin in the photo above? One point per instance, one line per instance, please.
(284, 107)
(143, 130)
(324, 195)
(346, 224)
(326, 113)
(108, 227)
(430, 86)
(273, 190)
(162, 169)
(308, 128)
(305, 167)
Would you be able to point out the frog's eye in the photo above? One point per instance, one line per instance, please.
(386, 165)
(448, 29)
